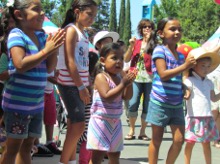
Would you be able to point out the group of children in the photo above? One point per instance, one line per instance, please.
(32, 55)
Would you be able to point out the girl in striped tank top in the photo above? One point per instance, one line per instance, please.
(73, 75)
(105, 129)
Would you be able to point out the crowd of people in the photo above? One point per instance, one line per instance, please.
(94, 84)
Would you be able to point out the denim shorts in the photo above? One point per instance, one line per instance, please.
(21, 126)
(160, 116)
(73, 104)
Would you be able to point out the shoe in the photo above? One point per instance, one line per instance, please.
(216, 144)
(129, 137)
(53, 148)
(144, 137)
(34, 150)
(43, 151)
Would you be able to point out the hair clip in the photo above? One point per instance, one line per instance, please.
(10, 3)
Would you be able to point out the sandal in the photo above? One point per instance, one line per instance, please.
(129, 137)
(217, 145)
(144, 138)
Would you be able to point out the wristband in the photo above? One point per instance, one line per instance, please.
(42, 51)
(11, 71)
(81, 87)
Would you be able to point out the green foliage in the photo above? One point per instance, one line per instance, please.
(48, 6)
(59, 13)
(127, 32)
(113, 17)
(102, 18)
(199, 19)
(121, 19)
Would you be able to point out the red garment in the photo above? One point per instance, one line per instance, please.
(84, 154)
(136, 54)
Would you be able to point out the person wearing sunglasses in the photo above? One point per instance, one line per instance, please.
(139, 54)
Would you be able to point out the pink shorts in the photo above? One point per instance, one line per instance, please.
(49, 109)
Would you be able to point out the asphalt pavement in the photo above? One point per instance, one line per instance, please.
(135, 151)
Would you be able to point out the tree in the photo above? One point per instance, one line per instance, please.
(48, 7)
(199, 19)
(121, 19)
(102, 18)
(127, 27)
(166, 8)
(60, 13)
(113, 18)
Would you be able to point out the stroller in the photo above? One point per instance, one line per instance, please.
(61, 117)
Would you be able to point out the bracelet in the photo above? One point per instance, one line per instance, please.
(11, 71)
(81, 87)
(42, 51)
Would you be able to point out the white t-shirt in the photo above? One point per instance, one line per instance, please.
(199, 103)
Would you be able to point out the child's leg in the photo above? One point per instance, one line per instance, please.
(74, 131)
(157, 135)
(24, 154)
(188, 152)
(178, 140)
(97, 157)
(75, 122)
(84, 154)
(12, 147)
(114, 157)
(207, 152)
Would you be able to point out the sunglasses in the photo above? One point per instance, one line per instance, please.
(149, 26)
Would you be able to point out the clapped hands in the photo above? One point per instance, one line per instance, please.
(54, 41)
(129, 77)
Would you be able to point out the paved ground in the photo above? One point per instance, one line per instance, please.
(135, 151)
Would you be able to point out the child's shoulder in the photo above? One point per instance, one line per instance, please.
(159, 51)
(16, 30)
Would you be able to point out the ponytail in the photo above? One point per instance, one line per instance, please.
(70, 17)
(77, 4)
(99, 68)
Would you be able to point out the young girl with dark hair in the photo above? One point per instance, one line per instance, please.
(166, 99)
(105, 129)
(73, 75)
(23, 99)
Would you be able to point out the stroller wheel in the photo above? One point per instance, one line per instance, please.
(58, 143)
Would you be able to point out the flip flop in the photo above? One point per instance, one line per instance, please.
(144, 137)
(217, 145)
(129, 137)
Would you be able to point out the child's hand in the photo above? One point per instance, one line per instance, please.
(190, 61)
(129, 77)
(55, 41)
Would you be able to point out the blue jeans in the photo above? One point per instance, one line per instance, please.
(133, 104)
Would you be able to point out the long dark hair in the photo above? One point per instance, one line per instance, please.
(77, 4)
(4, 28)
(152, 42)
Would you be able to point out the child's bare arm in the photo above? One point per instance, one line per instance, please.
(186, 92)
(24, 63)
(166, 74)
(215, 97)
(108, 93)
